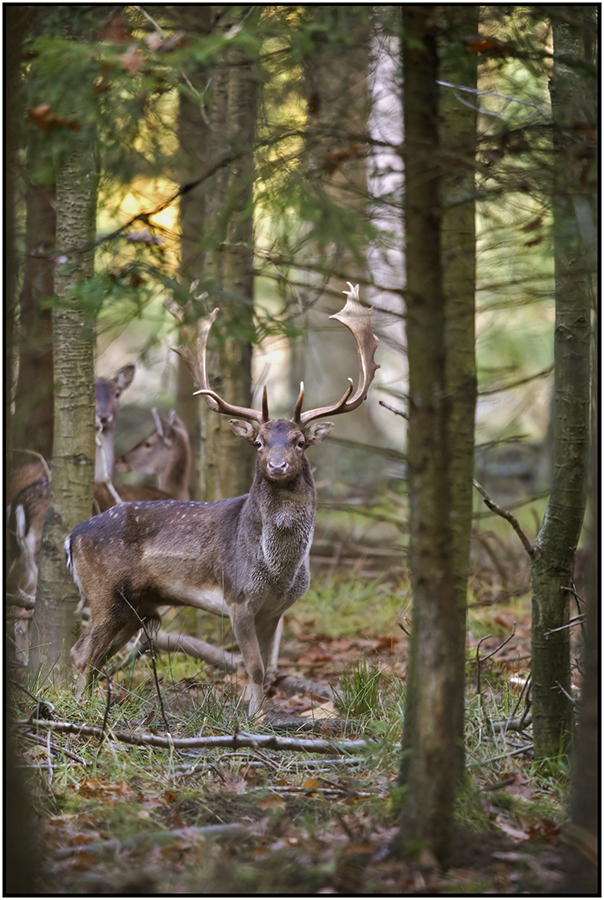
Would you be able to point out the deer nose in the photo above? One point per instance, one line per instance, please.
(278, 466)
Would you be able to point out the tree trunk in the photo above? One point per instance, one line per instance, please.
(552, 561)
(34, 401)
(17, 21)
(435, 677)
(236, 460)
(337, 97)
(458, 243)
(193, 137)
(73, 455)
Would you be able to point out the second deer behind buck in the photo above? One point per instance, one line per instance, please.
(246, 557)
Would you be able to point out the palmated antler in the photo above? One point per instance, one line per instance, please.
(195, 360)
(357, 319)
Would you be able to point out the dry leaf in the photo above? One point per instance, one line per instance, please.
(274, 801)
(324, 711)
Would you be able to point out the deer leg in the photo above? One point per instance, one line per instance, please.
(274, 657)
(95, 646)
(244, 627)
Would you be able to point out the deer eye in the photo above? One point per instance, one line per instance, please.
(257, 444)
(301, 443)
(147, 443)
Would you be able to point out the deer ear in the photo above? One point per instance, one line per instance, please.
(318, 432)
(243, 430)
(124, 377)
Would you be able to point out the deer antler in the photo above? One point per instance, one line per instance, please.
(197, 365)
(357, 319)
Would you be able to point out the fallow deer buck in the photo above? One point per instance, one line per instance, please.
(245, 557)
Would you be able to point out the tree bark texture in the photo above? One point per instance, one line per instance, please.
(73, 456)
(435, 679)
(337, 102)
(458, 246)
(236, 462)
(193, 136)
(17, 22)
(552, 561)
(33, 399)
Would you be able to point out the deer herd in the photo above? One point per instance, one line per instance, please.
(148, 548)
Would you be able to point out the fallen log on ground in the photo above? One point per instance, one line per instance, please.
(230, 662)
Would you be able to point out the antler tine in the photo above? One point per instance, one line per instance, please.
(357, 319)
(265, 415)
(196, 362)
(299, 402)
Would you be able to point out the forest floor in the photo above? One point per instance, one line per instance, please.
(117, 817)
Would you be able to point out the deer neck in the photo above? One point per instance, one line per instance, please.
(287, 505)
(175, 480)
(105, 456)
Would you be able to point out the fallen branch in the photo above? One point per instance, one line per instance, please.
(511, 724)
(198, 650)
(230, 663)
(505, 514)
(156, 838)
(239, 739)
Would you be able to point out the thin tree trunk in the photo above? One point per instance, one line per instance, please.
(193, 136)
(552, 561)
(236, 461)
(434, 680)
(53, 627)
(34, 401)
(17, 22)
(458, 242)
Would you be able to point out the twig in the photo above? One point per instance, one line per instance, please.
(40, 457)
(106, 714)
(566, 694)
(397, 412)
(519, 701)
(486, 637)
(153, 663)
(56, 747)
(509, 725)
(240, 739)
(505, 514)
(579, 601)
(576, 620)
(517, 752)
(49, 758)
(497, 649)
(401, 626)
(488, 656)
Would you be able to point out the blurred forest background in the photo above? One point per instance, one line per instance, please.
(255, 159)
